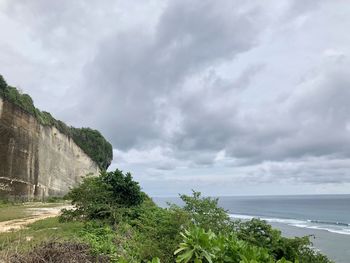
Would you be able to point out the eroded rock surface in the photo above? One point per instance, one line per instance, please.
(36, 160)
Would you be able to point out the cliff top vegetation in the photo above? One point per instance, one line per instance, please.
(90, 141)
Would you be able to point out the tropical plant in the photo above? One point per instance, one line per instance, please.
(197, 246)
(205, 212)
(203, 246)
(154, 260)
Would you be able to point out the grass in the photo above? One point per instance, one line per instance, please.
(20, 210)
(41, 231)
(9, 212)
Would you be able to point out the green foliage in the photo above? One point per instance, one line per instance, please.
(308, 255)
(205, 246)
(90, 141)
(101, 238)
(91, 199)
(125, 191)
(94, 145)
(158, 230)
(136, 230)
(197, 246)
(24, 101)
(109, 196)
(206, 213)
(241, 239)
(154, 260)
(45, 118)
(3, 84)
(259, 233)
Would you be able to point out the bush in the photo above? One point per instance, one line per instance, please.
(205, 246)
(101, 238)
(205, 212)
(109, 196)
(125, 191)
(158, 230)
(91, 200)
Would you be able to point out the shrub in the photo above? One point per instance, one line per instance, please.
(205, 246)
(101, 238)
(205, 212)
(109, 196)
(125, 191)
(158, 230)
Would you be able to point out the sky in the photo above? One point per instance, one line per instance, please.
(227, 97)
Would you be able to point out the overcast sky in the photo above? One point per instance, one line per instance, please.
(225, 97)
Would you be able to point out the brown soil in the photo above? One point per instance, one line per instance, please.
(36, 214)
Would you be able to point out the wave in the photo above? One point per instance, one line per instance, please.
(333, 227)
(328, 223)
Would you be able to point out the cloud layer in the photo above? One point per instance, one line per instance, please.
(227, 97)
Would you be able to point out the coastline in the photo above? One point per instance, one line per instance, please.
(296, 216)
(335, 246)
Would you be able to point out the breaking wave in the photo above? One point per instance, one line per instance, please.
(333, 227)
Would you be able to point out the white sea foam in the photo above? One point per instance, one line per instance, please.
(310, 224)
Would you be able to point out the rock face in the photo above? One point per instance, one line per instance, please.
(37, 161)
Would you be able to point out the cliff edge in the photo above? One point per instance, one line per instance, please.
(40, 156)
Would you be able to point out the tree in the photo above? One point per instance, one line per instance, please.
(104, 196)
(125, 190)
(206, 213)
(3, 84)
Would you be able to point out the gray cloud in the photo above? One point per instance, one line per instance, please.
(136, 71)
(207, 94)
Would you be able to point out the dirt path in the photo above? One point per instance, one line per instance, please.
(35, 215)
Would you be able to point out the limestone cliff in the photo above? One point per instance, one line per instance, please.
(37, 160)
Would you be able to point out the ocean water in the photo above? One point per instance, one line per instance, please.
(327, 217)
(324, 212)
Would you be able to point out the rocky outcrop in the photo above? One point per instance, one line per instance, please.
(37, 161)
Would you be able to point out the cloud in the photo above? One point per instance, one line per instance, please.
(216, 95)
(140, 73)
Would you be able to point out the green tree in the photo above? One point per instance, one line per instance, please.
(125, 190)
(104, 197)
(206, 213)
(3, 84)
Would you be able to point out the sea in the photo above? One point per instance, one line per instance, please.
(325, 218)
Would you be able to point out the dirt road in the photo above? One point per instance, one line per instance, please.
(35, 215)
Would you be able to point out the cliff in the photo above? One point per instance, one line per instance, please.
(38, 160)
